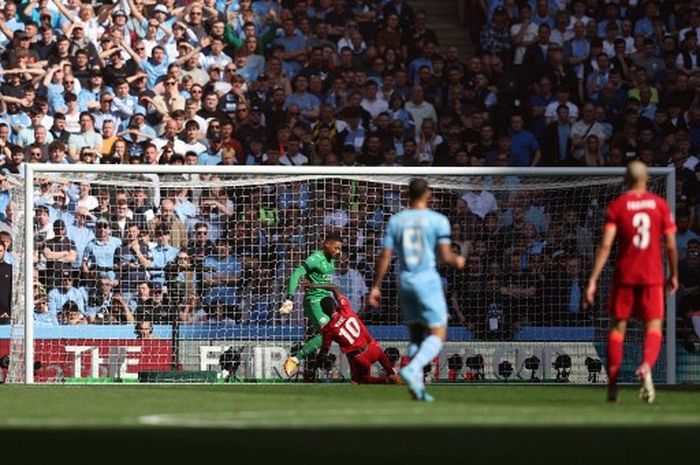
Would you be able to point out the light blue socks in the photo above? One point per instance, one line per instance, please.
(429, 349)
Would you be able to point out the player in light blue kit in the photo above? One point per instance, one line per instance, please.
(415, 234)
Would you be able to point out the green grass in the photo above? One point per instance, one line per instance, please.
(306, 423)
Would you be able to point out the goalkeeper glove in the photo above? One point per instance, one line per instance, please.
(286, 307)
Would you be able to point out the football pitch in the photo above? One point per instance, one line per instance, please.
(334, 424)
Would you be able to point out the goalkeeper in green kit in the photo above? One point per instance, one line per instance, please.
(318, 270)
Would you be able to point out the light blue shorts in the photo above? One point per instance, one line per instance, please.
(422, 300)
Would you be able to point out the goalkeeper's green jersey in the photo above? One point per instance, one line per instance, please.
(318, 270)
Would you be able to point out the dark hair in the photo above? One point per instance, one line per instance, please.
(140, 325)
(70, 306)
(334, 237)
(162, 230)
(328, 305)
(88, 114)
(417, 188)
(57, 145)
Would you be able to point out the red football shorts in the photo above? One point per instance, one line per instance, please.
(361, 365)
(642, 302)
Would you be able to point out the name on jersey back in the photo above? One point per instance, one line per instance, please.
(646, 204)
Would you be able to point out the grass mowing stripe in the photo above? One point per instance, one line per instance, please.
(369, 424)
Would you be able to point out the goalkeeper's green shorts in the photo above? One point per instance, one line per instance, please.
(313, 311)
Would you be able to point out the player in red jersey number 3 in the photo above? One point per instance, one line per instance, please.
(355, 341)
(639, 219)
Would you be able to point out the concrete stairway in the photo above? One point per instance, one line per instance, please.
(443, 18)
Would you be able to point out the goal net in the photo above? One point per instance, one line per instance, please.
(172, 274)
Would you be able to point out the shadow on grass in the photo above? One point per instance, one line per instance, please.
(434, 446)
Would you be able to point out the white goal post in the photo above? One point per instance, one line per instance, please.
(561, 178)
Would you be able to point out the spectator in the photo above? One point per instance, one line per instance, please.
(201, 246)
(42, 316)
(71, 314)
(565, 286)
(87, 137)
(166, 217)
(164, 254)
(132, 260)
(292, 157)
(65, 292)
(524, 148)
(372, 85)
(222, 273)
(418, 108)
(163, 311)
(557, 140)
(99, 302)
(582, 130)
(141, 303)
(60, 254)
(5, 287)
(121, 219)
(523, 34)
(144, 330)
(684, 234)
(352, 284)
(98, 256)
(689, 275)
(495, 37)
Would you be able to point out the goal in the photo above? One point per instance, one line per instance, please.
(175, 274)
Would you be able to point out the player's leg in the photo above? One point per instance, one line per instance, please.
(417, 334)
(651, 348)
(616, 338)
(429, 348)
(316, 317)
(382, 359)
(373, 355)
(653, 338)
(652, 312)
(411, 309)
(431, 300)
(412, 314)
(620, 309)
(360, 371)
(434, 318)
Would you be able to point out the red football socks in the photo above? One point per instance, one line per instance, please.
(615, 340)
(652, 346)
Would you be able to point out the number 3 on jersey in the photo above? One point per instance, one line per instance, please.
(350, 330)
(642, 222)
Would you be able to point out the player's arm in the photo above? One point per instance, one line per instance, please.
(672, 254)
(601, 257)
(450, 258)
(334, 288)
(298, 273)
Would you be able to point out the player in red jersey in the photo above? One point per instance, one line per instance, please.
(346, 328)
(639, 219)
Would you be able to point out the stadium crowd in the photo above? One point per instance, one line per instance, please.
(334, 83)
